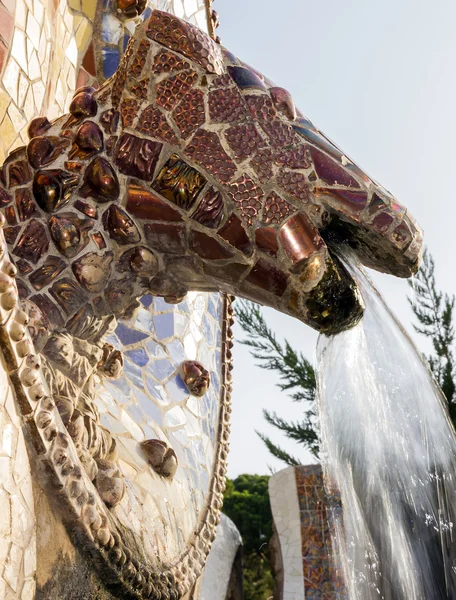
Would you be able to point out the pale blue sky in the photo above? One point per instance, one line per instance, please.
(379, 78)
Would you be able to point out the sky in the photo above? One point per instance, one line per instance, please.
(379, 78)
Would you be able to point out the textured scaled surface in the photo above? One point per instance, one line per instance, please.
(303, 513)
(187, 170)
(150, 401)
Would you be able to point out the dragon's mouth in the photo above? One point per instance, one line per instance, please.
(335, 304)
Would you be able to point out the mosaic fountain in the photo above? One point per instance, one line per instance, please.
(177, 178)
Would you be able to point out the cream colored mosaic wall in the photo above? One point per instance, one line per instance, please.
(17, 517)
(47, 43)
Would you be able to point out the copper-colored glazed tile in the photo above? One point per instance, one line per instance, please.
(172, 90)
(120, 226)
(109, 120)
(111, 144)
(275, 209)
(99, 240)
(88, 62)
(234, 233)
(48, 308)
(33, 243)
(25, 203)
(248, 197)
(51, 268)
(261, 107)
(206, 149)
(69, 233)
(186, 39)
(267, 277)
(139, 60)
(222, 81)
(147, 204)
(83, 105)
(136, 156)
(5, 198)
(294, 158)
(38, 126)
(168, 62)
(206, 246)
(244, 140)
(139, 89)
(120, 77)
(295, 184)
(280, 134)
(329, 171)
(262, 163)
(166, 237)
(130, 9)
(44, 150)
(73, 166)
(19, 173)
(52, 188)
(87, 142)
(11, 234)
(10, 215)
(68, 294)
(86, 209)
(266, 240)
(209, 211)
(128, 111)
(93, 270)
(23, 266)
(283, 102)
(227, 106)
(189, 114)
(153, 123)
(100, 181)
(179, 183)
(299, 238)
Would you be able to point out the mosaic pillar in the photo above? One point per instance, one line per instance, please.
(302, 514)
(222, 578)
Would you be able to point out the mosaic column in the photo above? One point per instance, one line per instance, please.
(302, 511)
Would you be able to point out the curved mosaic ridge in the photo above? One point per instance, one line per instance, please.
(80, 504)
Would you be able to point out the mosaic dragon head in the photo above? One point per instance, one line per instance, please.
(189, 170)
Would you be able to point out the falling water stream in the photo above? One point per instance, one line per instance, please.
(390, 449)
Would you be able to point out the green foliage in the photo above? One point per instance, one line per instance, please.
(246, 503)
(434, 312)
(296, 375)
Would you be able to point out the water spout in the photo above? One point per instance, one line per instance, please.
(390, 449)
